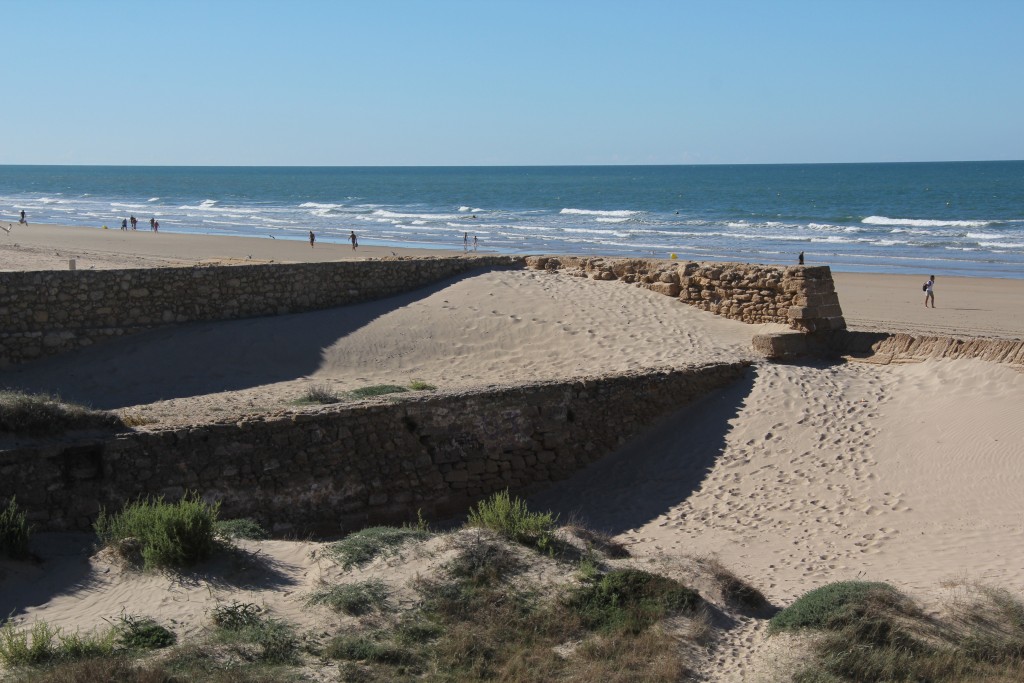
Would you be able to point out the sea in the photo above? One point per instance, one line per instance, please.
(955, 218)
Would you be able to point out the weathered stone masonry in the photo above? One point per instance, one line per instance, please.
(340, 467)
(48, 312)
(802, 297)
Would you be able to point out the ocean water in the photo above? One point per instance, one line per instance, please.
(957, 218)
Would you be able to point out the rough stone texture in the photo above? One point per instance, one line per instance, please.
(802, 297)
(48, 312)
(340, 467)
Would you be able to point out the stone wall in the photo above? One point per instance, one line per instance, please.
(342, 467)
(48, 312)
(802, 297)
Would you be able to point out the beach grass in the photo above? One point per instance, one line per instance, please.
(362, 546)
(15, 532)
(44, 415)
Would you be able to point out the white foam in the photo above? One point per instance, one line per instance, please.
(425, 216)
(1002, 245)
(923, 222)
(590, 212)
(316, 205)
(153, 199)
(611, 220)
(984, 236)
(464, 209)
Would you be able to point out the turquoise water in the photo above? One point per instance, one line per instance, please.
(962, 218)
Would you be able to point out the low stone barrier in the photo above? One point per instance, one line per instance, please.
(48, 312)
(341, 467)
(802, 297)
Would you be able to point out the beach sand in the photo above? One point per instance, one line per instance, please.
(800, 475)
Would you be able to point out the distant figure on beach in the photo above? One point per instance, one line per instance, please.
(151, 222)
(156, 225)
(800, 258)
(929, 291)
(312, 239)
(465, 241)
(474, 243)
(353, 240)
(124, 224)
(134, 221)
(23, 221)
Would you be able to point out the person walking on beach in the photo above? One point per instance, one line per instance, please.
(151, 222)
(800, 258)
(312, 239)
(465, 241)
(353, 240)
(156, 225)
(124, 224)
(474, 242)
(23, 221)
(929, 291)
(134, 221)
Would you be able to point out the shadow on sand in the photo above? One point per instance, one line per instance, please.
(654, 471)
(203, 358)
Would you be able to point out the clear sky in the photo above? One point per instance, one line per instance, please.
(503, 82)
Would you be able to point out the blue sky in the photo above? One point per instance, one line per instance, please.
(494, 82)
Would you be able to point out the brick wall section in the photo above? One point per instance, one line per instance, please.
(802, 297)
(48, 312)
(342, 467)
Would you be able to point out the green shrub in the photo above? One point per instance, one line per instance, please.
(45, 644)
(629, 600)
(248, 529)
(142, 633)
(42, 415)
(362, 546)
(162, 534)
(236, 616)
(510, 518)
(377, 390)
(418, 385)
(830, 606)
(14, 532)
(353, 598)
(274, 640)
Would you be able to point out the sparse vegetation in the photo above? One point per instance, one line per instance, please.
(41, 644)
(362, 546)
(353, 598)
(142, 633)
(257, 637)
(14, 532)
(320, 394)
(44, 415)
(871, 632)
(157, 534)
(377, 390)
(248, 529)
(629, 600)
(419, 385)
(511, 518)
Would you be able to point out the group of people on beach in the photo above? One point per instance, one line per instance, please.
(465, 241)
(154, 224)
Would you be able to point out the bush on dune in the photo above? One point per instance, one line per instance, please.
(160, 534)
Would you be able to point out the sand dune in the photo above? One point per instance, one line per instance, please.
(799, 475)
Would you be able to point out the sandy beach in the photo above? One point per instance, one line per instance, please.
(800, 475)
